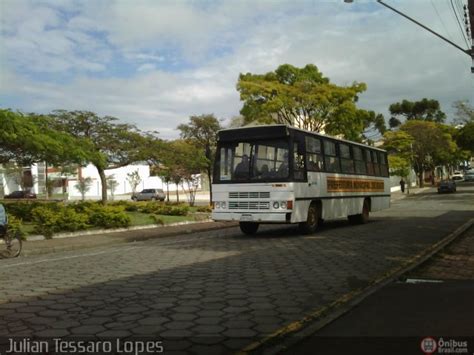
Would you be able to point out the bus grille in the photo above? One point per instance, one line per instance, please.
(249, 194)
(249, 205)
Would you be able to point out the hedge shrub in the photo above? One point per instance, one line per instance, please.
(109, 217)
(23, 209)
(15, 225)
(204, 209)
(53, 219)
(165, 209)
(46, 221)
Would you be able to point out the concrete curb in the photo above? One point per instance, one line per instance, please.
(399, 196)
(280, 340)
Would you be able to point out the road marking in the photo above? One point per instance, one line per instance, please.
(68, 257)
(418, 281)
(157, 242)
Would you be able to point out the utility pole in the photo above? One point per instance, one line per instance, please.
(470, 6)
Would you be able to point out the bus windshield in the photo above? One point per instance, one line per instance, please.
(247, 161)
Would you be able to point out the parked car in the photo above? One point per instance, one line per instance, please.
(469, 176)
(457, 176)
(21, 194)
(149, 195)
(447, 186)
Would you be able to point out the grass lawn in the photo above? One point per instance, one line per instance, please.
(143, 219)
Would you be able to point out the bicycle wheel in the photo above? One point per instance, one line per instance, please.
(13, 244)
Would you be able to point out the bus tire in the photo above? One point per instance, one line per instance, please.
(312, 221)
(248, 228)
(363, 217)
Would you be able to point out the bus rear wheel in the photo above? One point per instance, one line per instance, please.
(363, 217)
(312, 221)
(248, 228)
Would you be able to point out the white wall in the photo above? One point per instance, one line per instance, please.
(119, 174)
(9, 185)
(123, 187)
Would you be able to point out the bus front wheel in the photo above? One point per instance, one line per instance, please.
(248, 228)
(312, 221)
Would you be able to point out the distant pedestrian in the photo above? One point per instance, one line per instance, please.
(402, 185)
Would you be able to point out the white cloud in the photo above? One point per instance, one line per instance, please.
(360, 42)
(146, 67)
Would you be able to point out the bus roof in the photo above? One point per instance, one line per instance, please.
(274, 131)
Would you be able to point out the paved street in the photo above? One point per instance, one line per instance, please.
(434, 299)
(218, 290)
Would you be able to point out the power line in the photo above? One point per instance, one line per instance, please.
(441, 20)
(459, 23)
(459, 6)
(444, 25)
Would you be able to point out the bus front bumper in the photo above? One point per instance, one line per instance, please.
(259, 217)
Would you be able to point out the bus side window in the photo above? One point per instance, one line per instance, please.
(370, 165)
(298, 161)
(331, 160)
(360, 167)
(314, 158)
(225, 164)
(347, 164)
(383, 164)
(376, 163)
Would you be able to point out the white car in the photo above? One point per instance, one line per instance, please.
(457, 176)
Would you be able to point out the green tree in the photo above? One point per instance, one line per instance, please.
(83, 185)
(134, 180)
(423, 110)
(399, 166)
(399, 145)
(28, 139)
(112, 185)
(454, 154)
(304, 98)
(465, 137)
(185, 162)
(165, 174)
(201, 131)
(112, 145)
(432, 146)
(426, 144)
(464, 111)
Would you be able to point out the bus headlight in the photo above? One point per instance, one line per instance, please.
(223, 205)
(217, 205)
(282, 205)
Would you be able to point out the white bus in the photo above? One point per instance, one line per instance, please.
(280, 174)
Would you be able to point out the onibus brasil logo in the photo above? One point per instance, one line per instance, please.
(428, 345)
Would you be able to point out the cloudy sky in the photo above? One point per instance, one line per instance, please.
(154, 63)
